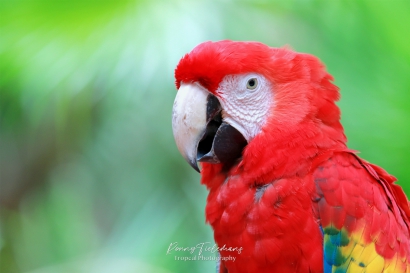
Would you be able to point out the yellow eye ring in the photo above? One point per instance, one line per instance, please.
(252, 83)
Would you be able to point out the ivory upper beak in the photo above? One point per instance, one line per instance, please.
(189, 120)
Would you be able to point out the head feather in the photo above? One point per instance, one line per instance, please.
(304, 119)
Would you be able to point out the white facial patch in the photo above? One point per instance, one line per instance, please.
(246, 100)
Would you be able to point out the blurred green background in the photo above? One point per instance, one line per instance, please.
(90, 177)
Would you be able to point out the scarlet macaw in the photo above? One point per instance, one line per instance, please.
(282, 183)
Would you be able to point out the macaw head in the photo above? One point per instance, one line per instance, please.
(238, 99)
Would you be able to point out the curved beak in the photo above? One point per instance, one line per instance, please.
(199, 131)
(189, 120)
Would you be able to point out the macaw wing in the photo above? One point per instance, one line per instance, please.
(363, 216)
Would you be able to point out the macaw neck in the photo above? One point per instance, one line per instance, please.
(279, 151)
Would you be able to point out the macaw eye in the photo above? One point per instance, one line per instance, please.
(252, 83)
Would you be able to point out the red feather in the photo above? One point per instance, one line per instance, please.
(297, 175)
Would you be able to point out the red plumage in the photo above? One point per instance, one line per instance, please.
(296, 181)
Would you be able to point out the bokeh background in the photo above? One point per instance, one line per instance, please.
(90, 177)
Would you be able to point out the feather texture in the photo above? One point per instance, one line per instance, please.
(298, 200)
(373, 233)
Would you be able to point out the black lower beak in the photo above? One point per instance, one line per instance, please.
(221, 142)
(199, 130)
